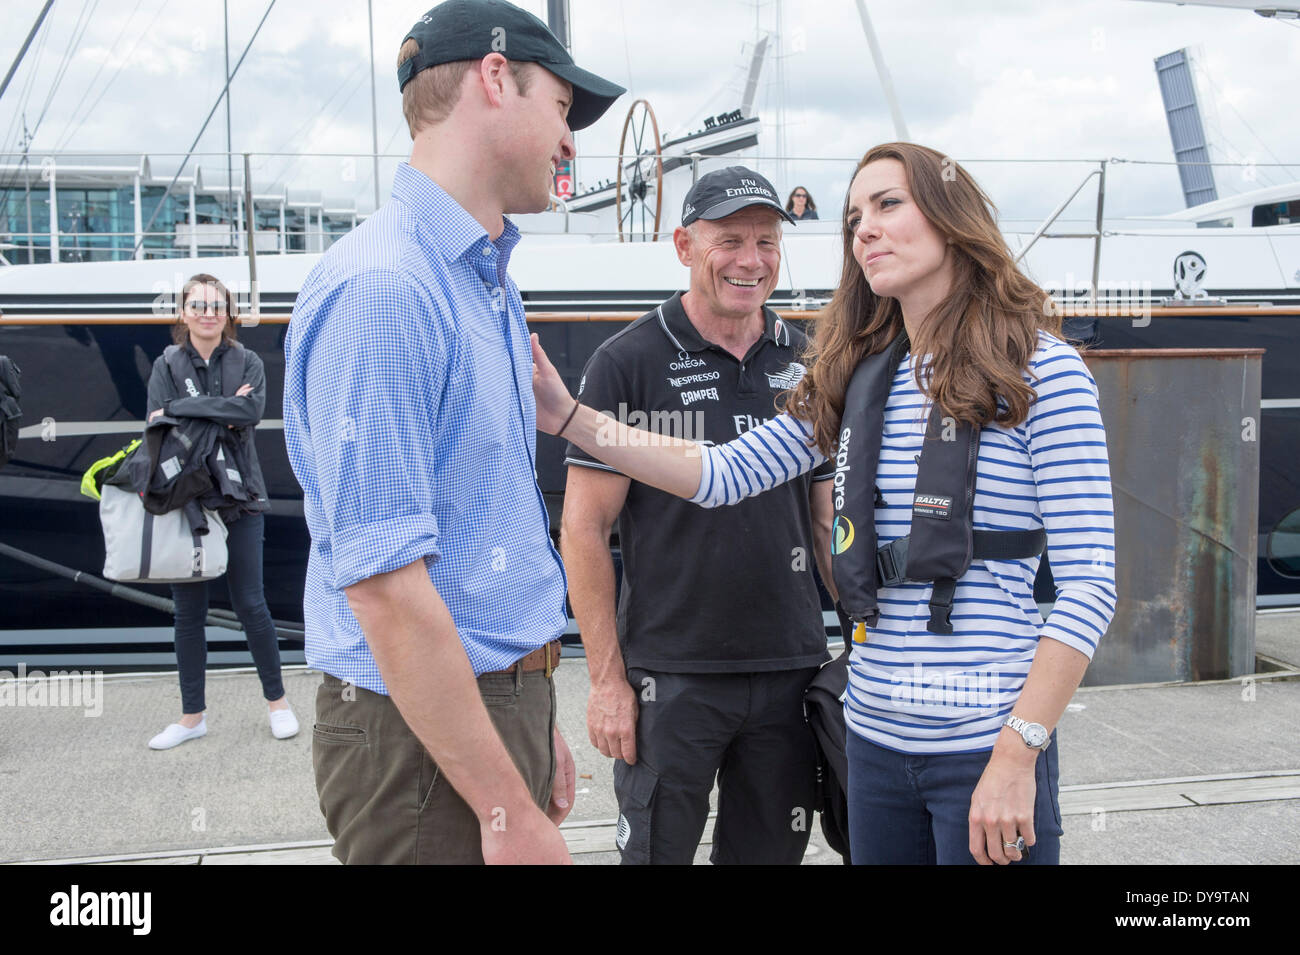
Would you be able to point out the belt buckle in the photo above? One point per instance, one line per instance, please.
(549, 668)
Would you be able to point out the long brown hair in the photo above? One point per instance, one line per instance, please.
(808, 200)
(980, 337)
(181, 333)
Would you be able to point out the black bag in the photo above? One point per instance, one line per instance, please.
(10, 392)
(823, 708)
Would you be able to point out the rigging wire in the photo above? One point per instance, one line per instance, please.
(322, 124)
(118, 72)
(17, 127)
(627, 51)
(315, 119)
(78, 31)
(11, 135)
(63, 137)
(212, 112)
(26, 45)
(401, 125)
(1219, 97)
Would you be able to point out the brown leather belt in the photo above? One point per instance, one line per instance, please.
(543, 658)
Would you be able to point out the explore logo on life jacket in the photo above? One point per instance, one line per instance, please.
(841, 534)
(842, 467)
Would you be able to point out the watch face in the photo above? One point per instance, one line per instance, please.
(1035, 734)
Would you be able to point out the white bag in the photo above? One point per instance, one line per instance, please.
(157, 549)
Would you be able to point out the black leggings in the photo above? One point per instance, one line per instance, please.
(244, 580)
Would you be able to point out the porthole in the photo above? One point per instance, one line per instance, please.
(1283, 548)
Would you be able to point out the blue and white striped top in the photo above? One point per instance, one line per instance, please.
(918, 692)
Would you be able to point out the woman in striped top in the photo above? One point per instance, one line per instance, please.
(936, 774)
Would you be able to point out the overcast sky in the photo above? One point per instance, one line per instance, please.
(977, 79)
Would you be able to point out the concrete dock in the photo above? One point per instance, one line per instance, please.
(1154, 774)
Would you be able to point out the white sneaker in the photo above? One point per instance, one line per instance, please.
(175, 734)
(283, 723)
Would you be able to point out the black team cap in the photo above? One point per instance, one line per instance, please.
(724, 191)
(471, 29)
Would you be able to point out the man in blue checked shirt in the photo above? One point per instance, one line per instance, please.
(434, 599)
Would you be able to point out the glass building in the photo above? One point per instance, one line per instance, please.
(71, 210)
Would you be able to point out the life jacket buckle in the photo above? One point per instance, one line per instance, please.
(891, 563)
(941, 605)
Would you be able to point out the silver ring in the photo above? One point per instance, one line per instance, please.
(1019, 844)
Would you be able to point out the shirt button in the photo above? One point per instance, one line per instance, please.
(487, 250)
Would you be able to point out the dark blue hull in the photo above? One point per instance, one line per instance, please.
(79, 380)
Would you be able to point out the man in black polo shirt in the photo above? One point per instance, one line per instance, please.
(718, 627)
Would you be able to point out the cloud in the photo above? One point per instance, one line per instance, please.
(1010, 80)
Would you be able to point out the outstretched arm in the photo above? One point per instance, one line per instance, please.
(708, 475)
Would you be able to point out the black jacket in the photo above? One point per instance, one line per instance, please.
(215, 403)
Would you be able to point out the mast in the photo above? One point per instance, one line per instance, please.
(40, 18)
(27, 136)
(557, 18)
(27, 189)
(886, 84)
(230, 159)
(374, 119)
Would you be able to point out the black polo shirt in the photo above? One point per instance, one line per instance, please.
(721, 590)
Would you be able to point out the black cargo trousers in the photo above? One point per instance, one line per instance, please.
(748, 730)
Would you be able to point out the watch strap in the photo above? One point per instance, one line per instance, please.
(1020, 726)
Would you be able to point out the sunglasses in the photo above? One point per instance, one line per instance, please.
(801, 195)
(195, 307)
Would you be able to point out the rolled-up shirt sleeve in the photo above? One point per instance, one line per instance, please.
(374, 377)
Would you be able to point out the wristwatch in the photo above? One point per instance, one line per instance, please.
(1034, 734)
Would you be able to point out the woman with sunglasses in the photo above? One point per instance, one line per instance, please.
(934, 774)
(206, 330)
(800, 204)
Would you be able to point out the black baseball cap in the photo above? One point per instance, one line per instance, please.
(724, 191)
(471, 29)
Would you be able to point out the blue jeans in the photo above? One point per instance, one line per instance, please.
(914, 810)
(244, 581)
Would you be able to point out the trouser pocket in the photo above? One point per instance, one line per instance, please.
(635, 787)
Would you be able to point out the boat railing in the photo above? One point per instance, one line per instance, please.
(1067, 308)
(111, 207)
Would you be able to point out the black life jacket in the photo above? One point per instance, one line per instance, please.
(942, 541)
(224, 377)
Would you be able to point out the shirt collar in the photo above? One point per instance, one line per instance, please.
(453, 229)
(684, 335)
(199, 359)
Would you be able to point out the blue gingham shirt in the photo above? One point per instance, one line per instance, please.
(410, 423)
